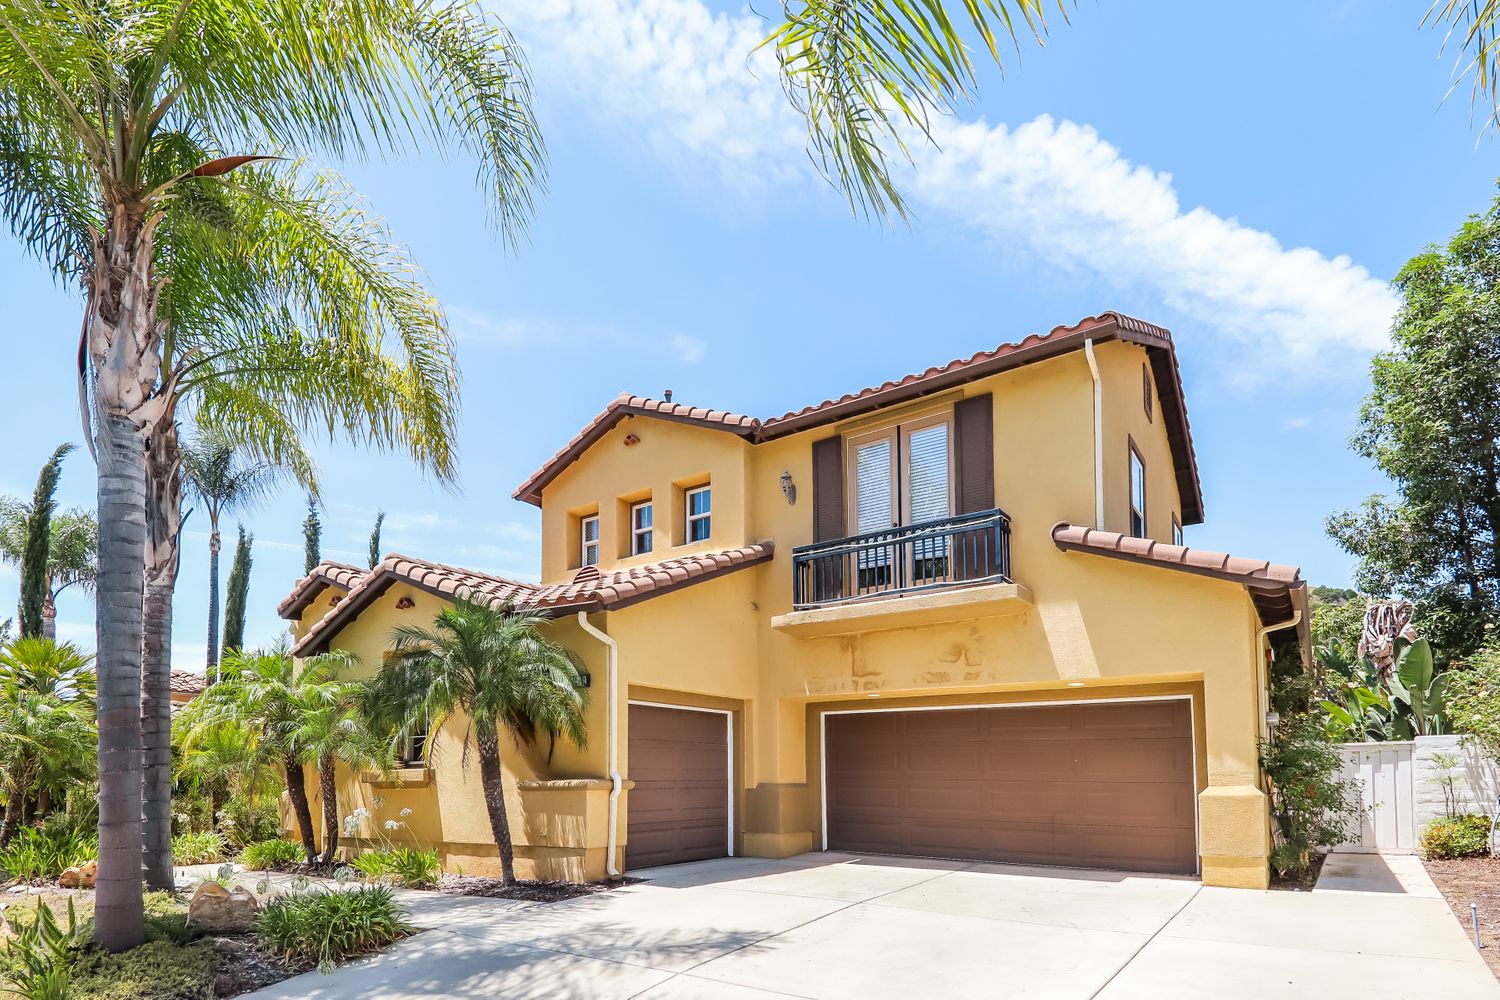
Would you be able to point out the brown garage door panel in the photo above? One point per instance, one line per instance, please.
(679, 808)
(1106, 785)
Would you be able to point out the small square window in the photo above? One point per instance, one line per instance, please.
(414, 747)
(699, 514)
(640, 528)
(588, 540)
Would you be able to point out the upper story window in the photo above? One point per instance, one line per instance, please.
(1176, 529)
(699, 507)
(901, 475)
(588, 540)
(1137, 493)
(640, 528)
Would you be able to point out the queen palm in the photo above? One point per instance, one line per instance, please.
(217, 475)
(121, 118)
(495, 669)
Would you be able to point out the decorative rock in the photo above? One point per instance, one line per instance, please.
(217, 910)
(71, 878)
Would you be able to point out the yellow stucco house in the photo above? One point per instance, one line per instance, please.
(947, 616)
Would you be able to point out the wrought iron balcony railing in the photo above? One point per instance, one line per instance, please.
(953, 552)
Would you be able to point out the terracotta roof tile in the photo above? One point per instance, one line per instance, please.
(327, 573)
(183, 682)
(1277, 591)
(597, 591)
(1037, 347)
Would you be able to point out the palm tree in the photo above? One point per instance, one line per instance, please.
(267, 692)
(46, 724)
(495, 668)
(219, 760)
(338, 732)
(216, 474)
(123, 119)
(66, 543)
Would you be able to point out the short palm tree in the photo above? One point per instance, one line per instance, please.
(338, 732)
(496, 669)
(220, 760)
(46, 724)
(216, 474)
(267, 692)
(121, 121)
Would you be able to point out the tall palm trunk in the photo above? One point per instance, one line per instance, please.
(15, 801)
(296, 789)
(49, 618)
(164, 526)
(213, 593)
(492, 778)
(123, 343)
(328, 789)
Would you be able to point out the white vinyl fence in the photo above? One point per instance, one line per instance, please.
(1406, 785)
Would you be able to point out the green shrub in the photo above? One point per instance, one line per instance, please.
(157, 970)
(166, 919)
(332, 927)
(270, 855)
(44, 853)
(405, 866)
(1311, 807)
(248, 821)
(1466, 836)
(202, 848)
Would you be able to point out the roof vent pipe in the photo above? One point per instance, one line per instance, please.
(1088, 352)
(668, 395)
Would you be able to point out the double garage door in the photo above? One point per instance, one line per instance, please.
(1106, 785)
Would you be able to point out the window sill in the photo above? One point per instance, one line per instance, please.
(402, 777)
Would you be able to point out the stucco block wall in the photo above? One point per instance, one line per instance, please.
(1476, 780)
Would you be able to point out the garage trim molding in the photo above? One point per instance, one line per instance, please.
(728, 754)
(823, 741)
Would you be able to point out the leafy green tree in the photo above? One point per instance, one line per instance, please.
(239, 593)
(312, 537)
(495, 669)
(1473, 697)
(1430, 424)
(46, 725)
(217, 475)
(125, 119)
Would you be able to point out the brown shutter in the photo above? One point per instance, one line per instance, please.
(828, 489)
(974, 453)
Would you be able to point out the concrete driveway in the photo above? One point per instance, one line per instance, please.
(835, 925)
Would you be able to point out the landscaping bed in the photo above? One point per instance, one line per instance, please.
(295, 933)
(1473, 880)
(530, 891)
(1302, 881)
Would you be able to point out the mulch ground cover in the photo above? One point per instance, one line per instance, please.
(524, 889)
(1299, 883)
(1473, 880)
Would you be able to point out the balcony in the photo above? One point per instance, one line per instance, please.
(951, 569)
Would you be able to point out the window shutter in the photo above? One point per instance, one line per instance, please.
(974, 449)
(828, 489)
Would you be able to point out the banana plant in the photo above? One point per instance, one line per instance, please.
(1417, 691)
(1365, 716)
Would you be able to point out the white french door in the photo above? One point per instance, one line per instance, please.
(901, 476)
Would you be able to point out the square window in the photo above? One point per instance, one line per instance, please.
(588, 540)
(640, 528)
(699, 514)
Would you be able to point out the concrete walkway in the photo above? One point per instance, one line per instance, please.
(836, 925)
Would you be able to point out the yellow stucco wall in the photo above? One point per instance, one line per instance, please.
(1116, 629)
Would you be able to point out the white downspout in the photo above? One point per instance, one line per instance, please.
(1265, 684)
(1088, 352)
(612, 712)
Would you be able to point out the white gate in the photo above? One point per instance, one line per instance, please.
(1384, 772)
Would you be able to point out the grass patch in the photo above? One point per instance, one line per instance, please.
(157, 970)
(332, 927)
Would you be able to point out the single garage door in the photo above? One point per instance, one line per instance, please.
(679, 808)
(1094, 786)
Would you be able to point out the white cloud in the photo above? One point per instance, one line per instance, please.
(479, 326)
(690, 349)
(692, 82)
(1296, 423)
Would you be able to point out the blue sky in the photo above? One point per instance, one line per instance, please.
(1248, 176)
